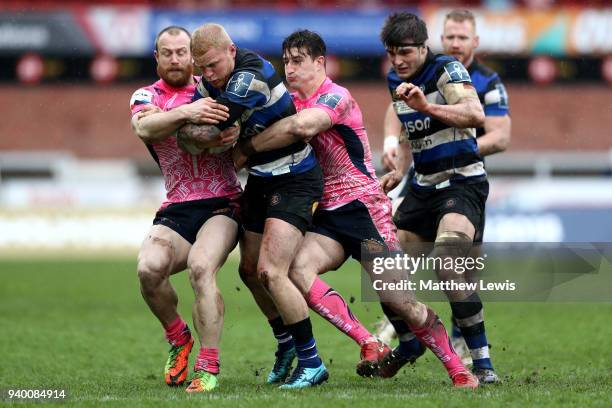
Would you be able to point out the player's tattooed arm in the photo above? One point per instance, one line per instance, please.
(152, 124)
(203, 135)
(463, 109)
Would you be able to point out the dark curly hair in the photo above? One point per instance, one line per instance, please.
(403, 29)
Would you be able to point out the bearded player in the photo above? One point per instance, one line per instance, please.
(197, 225)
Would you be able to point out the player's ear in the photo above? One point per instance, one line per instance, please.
(156, 55)
(476, 41)
(232, 50)
(321, 60)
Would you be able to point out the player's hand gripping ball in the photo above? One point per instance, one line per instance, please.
(223, 142)
(227, 139)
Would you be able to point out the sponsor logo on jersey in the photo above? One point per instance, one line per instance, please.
(401, 108)
(457, 72)
(417, 125)
(420, 144)
(240, 83)
(140, 97)
(329, 100)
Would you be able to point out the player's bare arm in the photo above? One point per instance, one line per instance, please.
(401, 163)
(156, 126)
(202, 135)
(497, 135)
(463, 110)
(205, 111)
(392, 127)
(301, 126)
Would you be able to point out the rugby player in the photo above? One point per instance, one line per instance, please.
(196, 226)
(460, 40)
(354, 213)
(282, 190)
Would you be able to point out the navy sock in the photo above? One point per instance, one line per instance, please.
(282, 334)
(409, 347)
(469, 317)
(305, 346)
(456, 331)
(397, 322)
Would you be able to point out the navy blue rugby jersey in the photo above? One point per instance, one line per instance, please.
(257, 97)
(491, 91)
(442, 155)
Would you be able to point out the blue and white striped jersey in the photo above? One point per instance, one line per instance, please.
(491, 91)
(442, 155)
(257, 97)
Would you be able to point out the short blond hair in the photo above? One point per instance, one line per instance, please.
(460, 15)
(209, 36)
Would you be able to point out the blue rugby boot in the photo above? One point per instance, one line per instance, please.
(305, 377)
(282, 366)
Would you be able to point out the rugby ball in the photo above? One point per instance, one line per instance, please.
(221, 149)
(190, 147)
(196, 148)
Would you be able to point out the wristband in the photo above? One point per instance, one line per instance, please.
(391, 142)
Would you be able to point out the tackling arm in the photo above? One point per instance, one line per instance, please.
(153, 125)
(304, 125)
(202, 135)
(157, 126)
(205, 135)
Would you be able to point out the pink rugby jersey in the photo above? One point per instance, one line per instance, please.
(343, 150)
(187, 177)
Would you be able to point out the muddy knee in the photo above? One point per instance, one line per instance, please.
(201, 274)
(154, 264)
(248, 272)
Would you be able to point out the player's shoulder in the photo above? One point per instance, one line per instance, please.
(479, 68)
(253, 75)
(441, 59)
(332, 95)
(145, 95)
(448, 66)
(483, 77)
(334, 88)
(249, 61)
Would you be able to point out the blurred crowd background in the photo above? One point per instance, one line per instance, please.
(72, 174)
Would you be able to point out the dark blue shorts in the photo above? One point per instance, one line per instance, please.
(361, 225)
(188, 217)
(421, 211)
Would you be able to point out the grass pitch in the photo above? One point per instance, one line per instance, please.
(81, 325)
